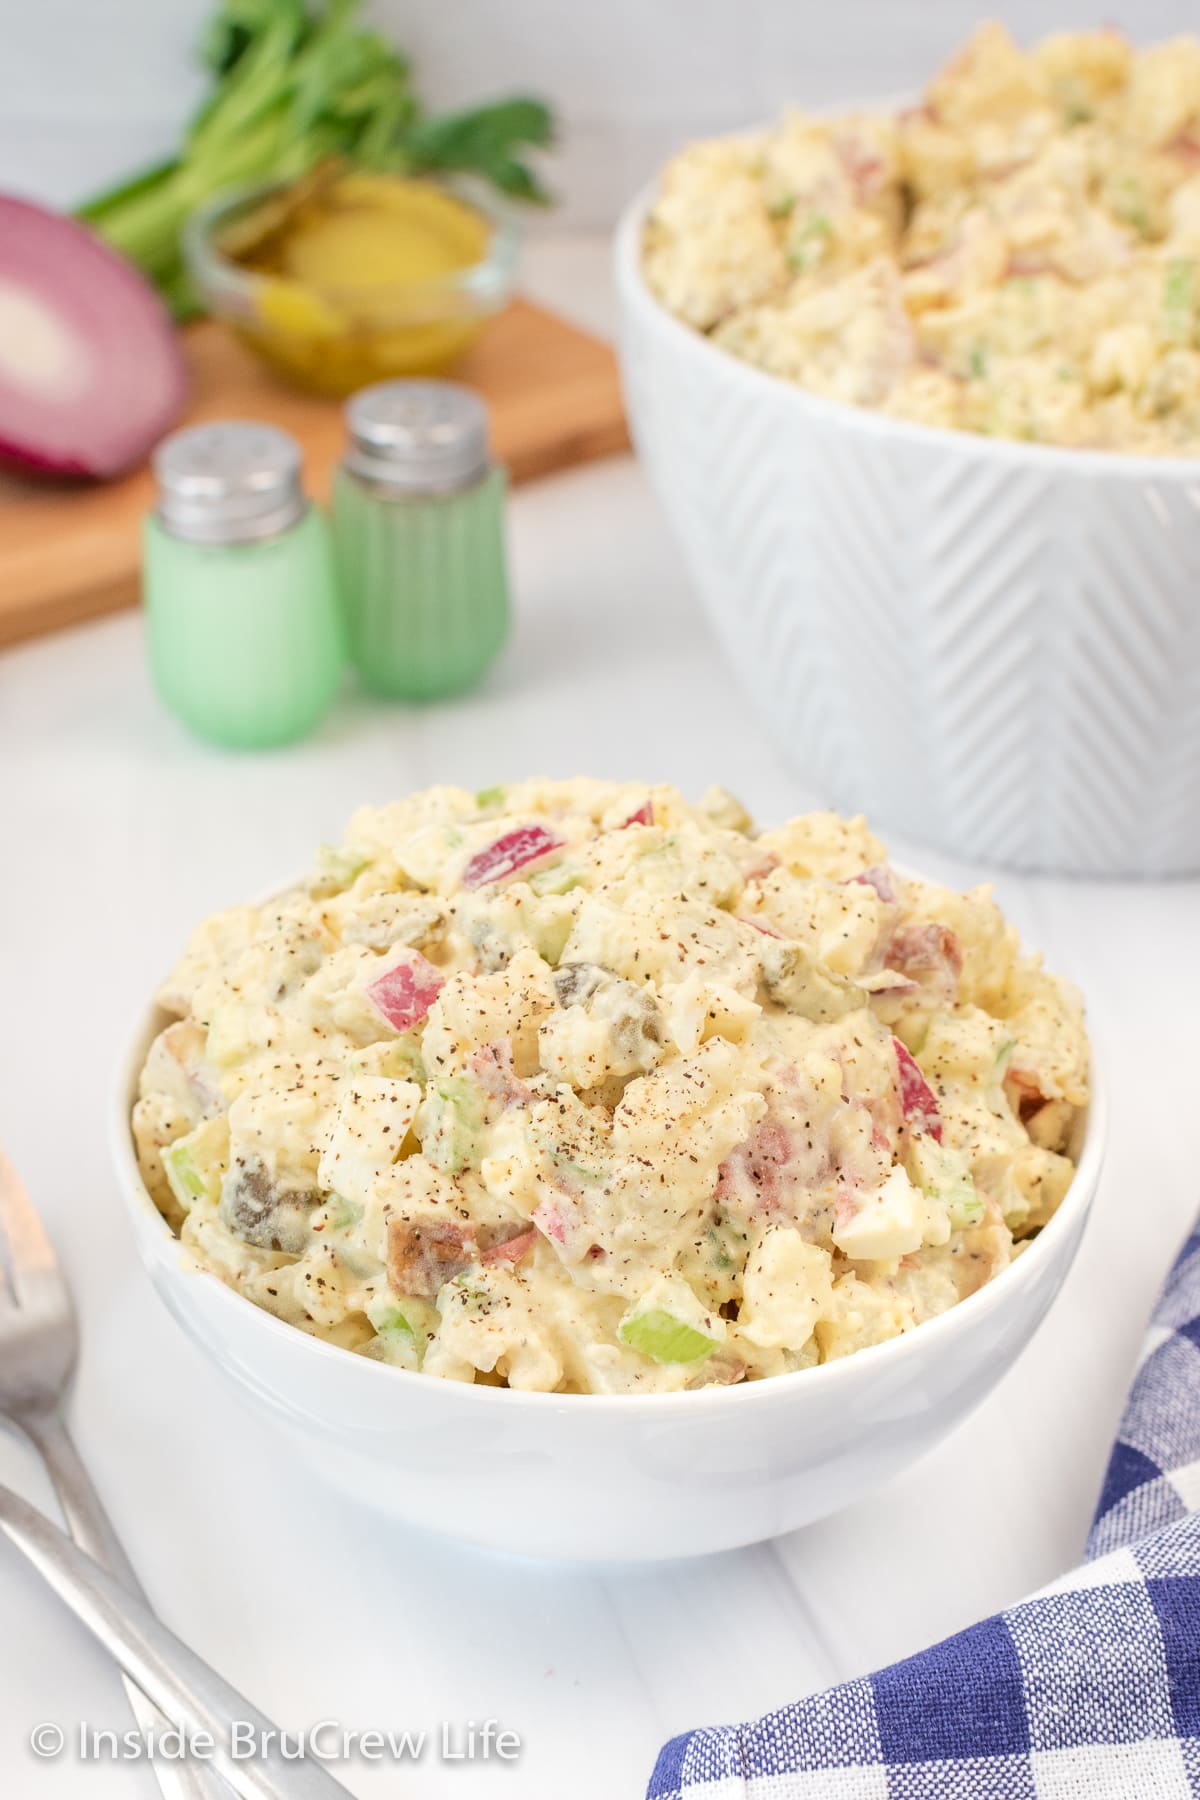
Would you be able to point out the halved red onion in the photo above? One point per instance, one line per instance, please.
(91, 373)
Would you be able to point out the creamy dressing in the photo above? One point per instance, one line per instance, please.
(575, 1086)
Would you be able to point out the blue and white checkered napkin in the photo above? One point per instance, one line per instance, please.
(1088, 1691)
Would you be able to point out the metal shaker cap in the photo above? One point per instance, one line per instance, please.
(418, 437)
(229, 483)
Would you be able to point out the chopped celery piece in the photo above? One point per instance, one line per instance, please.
(342, 1214)
(230, 1036)
(487, 798)
(963, 1206)
(1179, 299)
(403, 1339)
(452, 1118)
(670, 1324)
(1129, 202)
(810, 244)
(586, 1176)
(385, 1315)
(551, 929)
(195, 1164)
(399, 1058)
(557, 880)
(665, 1338)
(336, 869)
(943, 1174)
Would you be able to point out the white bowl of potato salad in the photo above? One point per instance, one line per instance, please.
(538, 1126)
(919, 387)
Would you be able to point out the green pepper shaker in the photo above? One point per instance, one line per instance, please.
(418, 513)
(244, 634)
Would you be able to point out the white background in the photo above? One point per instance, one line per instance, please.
(117, 832)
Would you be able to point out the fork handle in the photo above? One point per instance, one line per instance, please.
(92, 1530)
(186, 1689)
(87, 1521)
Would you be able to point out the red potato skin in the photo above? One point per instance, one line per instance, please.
(515, 851)
(407, 991)
(918, 1102)
(424, 1253)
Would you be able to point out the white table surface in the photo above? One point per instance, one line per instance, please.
(117, 833)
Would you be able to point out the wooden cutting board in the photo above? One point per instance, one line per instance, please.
(68, 552)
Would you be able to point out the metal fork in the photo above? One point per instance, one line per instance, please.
(39, 1344)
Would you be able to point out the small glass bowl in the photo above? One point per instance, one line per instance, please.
(334, 340)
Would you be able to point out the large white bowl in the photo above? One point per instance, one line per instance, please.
(988, 646)
(607, 1477)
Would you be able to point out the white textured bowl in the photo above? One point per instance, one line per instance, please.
(988, 646)
(607, 1477)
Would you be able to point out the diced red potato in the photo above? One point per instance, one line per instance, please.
(515, 851)
(918, 1102)
(845, 1208)
(754, 1176)
(549, 1221)
(424, 1253)
(511, 1250)
(887, 984)
(721, 1370)
(1185, 147)
(882, 880)
(492, 1067)
(177, 1065)
(881, 1136)
(643, 816)
(406, 991)
(760, 925)
(929, 952)
(1024, 1087)
(564, 1222)
(1025, 264)
(862, 164)
(761, 870)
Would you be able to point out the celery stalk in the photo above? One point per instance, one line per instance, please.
(296, 82)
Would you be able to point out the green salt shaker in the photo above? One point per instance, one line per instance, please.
(418, 514)
(244, 634)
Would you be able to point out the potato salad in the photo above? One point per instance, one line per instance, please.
(1018, 254)
(573, 1086)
